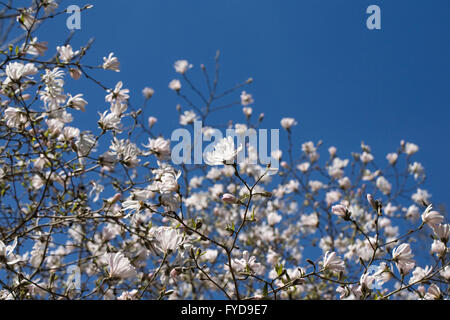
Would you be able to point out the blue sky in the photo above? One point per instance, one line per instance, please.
(312, 60)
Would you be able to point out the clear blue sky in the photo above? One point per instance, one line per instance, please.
(312, 60)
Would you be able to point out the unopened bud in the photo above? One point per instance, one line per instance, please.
(228, 198)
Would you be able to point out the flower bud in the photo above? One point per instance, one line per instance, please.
(228, 198)
(152, 121)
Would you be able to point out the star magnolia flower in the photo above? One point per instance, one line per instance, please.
(119, 266)
(403, 257)
(333, 262)
(340, 211)
(433, 293)
(246, 98)
(168, 239)
(411, 148)
(118, 94)
(287, 123)
(431, 217)
(175, 85)
(6, 251)
(148, 92)
(66, 53)
(223, 152)
(181, 66)
(247, 264)
(111, 63)
(17, 70)
(77, 102)
(442, 231)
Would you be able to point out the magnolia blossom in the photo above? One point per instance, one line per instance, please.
(331, 261)
(431, 217)
(246, 98)
(66, 53)
(229, 198)
(384, 185)
(433, 293)
(111, 63)
(148, 92)
(160, 147)
(168, 239)
(14, 117)
(411, 148)
(247, 264)
(223, 152)
(6, 251)
(118, 94)
(188, 117)
(403, 257)
(287, 123)
(77, 102)
(392, 158)
(119, 266)
(181, 66)
(16, 70)
(175, 85)
(442, 231)
(341, 211)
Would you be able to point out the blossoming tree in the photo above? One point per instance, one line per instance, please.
(104, 213)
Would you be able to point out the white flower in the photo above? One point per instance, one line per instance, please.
(77, 102)
(341, 211)
(152, 121)
(445, 273)
(160, 147)
(6, 251)
(392, 158)
(37, 182)
(168, 239)
(16, 70)
(118, 94)
(36, 48)
(109, 121)
(26, 19)
(273, 218)
(403, 257)
(287, 123)
(210, 255)
(247, 264)
(432, 217)
(433, 293)
(442, 231)
(188, 117)
(97, 189)
(421, 196)
(175, 85)
(333, 262)
(168, 181)
(223, 152)
(366, 157)
(384, 185)
(129, 295)
(181, 66)
(416, 169)
(111, 63)
(419, 274)
(119, 266)
(148, 92)
(246, 98)
(411, 148)
(14, 117)
(66, 53)
(438, 247)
